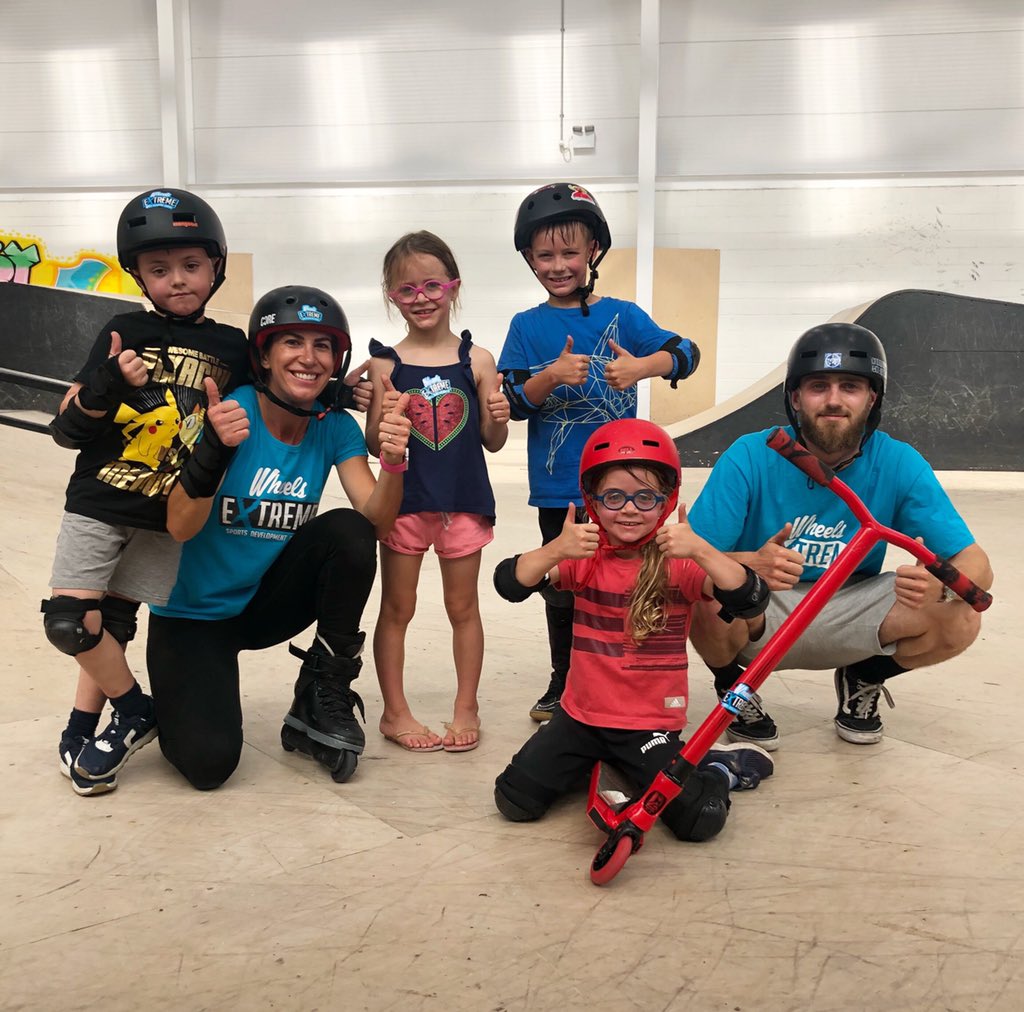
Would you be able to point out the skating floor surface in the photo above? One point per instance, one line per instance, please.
(859, 877)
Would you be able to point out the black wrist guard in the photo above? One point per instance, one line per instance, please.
(345, 397)
(73, 428)
(105, 388)
(747, 601)
(506, 584)
(201, 475)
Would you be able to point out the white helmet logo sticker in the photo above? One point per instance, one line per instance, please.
(833, 360)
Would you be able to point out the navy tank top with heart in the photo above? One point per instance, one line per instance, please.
(447, 472)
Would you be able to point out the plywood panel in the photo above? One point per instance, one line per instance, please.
(686, 302)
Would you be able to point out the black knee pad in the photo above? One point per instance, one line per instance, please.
(119, 618)
(64, 624)
(519, 798)
(699, 813)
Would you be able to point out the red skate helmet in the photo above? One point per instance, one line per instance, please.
(631, 442)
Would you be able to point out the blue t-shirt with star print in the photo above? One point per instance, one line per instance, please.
(559, 428)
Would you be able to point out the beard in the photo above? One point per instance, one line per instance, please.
(835, 436)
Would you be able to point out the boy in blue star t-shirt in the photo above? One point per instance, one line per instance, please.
(570, 365)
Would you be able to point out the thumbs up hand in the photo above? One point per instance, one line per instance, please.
(228, 419)
(678, 541)
(497, 403)
(362, 388)
(393, 433)
(623, 371)
(570, 369)
(390, 399)
(577, 541)
(133, 369)
(780, 567)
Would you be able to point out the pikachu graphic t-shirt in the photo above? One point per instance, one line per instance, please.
(123, 477)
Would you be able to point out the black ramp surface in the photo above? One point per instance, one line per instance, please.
(48, 332)
(956, 380)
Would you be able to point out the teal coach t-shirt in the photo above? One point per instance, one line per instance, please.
(270, 490)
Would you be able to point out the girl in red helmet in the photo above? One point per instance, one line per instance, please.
(634, 579)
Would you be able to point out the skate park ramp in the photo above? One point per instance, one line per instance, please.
(48, 332)
(955, 376)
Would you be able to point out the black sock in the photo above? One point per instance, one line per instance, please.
(725, 678)
(82, 723)
(134, 703)
(875, 669)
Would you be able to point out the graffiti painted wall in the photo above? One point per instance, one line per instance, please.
(24, 260)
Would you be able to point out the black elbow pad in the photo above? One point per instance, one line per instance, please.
(686, 364)
(746, 601)
(506, 584)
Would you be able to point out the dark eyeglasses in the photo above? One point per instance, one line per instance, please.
(615, 499)
(433, 290)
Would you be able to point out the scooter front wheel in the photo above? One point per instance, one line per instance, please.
(613, 865)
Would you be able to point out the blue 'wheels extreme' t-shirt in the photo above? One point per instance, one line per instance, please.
(753, 492)
(270, 490)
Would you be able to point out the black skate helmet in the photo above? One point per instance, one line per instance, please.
(162, 219)
(563, 202)
(838, 347)
(289, 308)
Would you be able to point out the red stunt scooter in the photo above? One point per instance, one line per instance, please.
(626, 827)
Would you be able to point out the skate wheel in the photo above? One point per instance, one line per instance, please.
(603, 875)
(347, 762)
(286, 742)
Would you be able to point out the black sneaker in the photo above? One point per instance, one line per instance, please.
(109, 751)
(750, 764)
(752, 724)
(548, 703)
(857, 720)
(68, 750)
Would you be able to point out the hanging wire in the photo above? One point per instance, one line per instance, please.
(563, 145)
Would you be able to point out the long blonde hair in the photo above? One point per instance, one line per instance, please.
(647, 604)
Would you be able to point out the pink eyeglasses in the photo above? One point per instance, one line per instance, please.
(433, 290)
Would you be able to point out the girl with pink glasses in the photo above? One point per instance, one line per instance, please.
(457, 409)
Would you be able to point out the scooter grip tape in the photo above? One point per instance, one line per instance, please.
(781, 442)
(962, 585)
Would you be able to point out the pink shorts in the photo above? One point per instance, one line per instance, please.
(453, 535)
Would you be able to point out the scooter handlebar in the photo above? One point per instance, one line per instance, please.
(960, 584)
(799, 456)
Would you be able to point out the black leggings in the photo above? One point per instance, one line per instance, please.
(558, 604)
(324, 574)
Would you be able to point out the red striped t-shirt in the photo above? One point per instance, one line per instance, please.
(614, 682)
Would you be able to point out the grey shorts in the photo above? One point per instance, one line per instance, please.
(844, 631)
(132, 563)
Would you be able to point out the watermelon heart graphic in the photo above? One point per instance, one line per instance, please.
(437, 423)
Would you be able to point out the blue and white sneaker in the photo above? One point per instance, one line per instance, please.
(105, 754)
(749, 764)
(69, 749)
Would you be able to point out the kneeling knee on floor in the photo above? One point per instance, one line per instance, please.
(520, 798)
(699, 813)
(205, 770)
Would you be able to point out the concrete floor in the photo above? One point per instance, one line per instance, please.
(881, 877)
